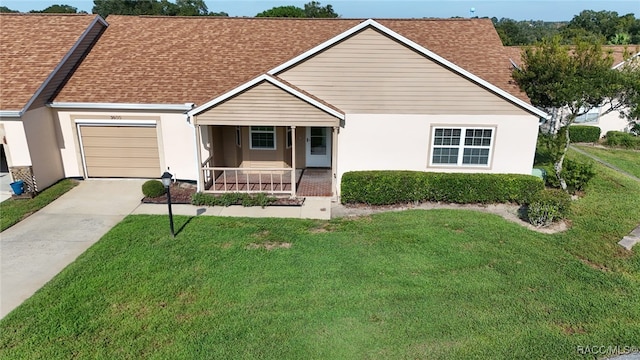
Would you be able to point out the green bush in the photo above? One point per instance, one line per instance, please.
(622, 139)
(394, 187)
(232, 198)
(547, 206)
(584, 133)
(577, 174)
(153, 188)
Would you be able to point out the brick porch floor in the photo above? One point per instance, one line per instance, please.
(314, 182)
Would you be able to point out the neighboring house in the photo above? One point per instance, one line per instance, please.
(227, 101)
(37, 54)
(607, 122)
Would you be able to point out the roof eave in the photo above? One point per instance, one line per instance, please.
(11, 113)
(121, 106)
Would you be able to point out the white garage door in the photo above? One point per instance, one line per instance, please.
(120, 151)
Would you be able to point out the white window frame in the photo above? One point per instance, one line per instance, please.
(238, 136)
(289, 138)
(591, 117)
(253, 131)
(461, 146)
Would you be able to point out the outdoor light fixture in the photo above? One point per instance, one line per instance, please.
(166, 181)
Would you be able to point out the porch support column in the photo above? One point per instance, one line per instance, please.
(293, 161)
(334, 161)
(201, 185)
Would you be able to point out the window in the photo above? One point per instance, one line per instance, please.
(288, 137)
(263, 137)
(590, 117)
(238, 136)
(461, 146)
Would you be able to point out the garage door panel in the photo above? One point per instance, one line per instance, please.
(119, 142)
(131, 172)
(119, 131)
(120, 151)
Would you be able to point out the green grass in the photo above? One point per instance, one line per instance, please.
(414, 284)
(627, 160)
(14, 210)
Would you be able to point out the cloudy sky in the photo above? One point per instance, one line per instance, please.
(548, 10)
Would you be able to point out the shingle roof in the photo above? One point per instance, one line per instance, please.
(31, 46)
(194, 59)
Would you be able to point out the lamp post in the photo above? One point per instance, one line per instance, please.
(166, 181)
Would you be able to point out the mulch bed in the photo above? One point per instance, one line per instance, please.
(182, 193)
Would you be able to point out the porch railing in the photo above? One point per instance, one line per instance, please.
(220, 180)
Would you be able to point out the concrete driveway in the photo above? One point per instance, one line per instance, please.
(33, 251)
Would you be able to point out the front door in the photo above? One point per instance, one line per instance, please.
(318, 147)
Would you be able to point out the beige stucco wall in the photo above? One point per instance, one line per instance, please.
(175, 139)
(402, 142)
(16, 148)
(41, 132)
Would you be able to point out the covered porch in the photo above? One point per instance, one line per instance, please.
(292, 161)
(267, 136)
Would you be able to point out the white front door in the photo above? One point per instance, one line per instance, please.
(318, 147)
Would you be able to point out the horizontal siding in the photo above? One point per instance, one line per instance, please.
(371, 73)
(265, 104)
(120, 151)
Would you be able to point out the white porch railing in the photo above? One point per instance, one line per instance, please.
(220, 180)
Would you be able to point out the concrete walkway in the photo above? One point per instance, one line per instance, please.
(5, 188)
(33, 251)
(633, 238)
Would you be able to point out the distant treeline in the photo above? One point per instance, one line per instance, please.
(603, 26)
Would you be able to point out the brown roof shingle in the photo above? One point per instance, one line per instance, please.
(176, 59)
(31, 46)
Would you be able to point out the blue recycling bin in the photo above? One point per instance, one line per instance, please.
(17, 187)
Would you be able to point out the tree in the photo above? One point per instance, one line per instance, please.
(284, 12)
(58, 9)
(568, 82)
(311, 10)
(4, 9)
(153, 7)
(314, 10)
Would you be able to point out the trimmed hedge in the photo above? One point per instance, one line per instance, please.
(622, 139)
(547, 206)
(394, 187)
(584, 133)
(227, 199)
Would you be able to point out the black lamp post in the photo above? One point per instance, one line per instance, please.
(166, 181)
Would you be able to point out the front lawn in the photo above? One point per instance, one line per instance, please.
(14, 210)
(414, 284)
(627, 160)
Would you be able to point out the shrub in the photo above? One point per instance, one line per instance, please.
(394, 187)
(622, 139)
(577, 174)
(232, 198)
(583, 133)
(153, 188)
(547, 206)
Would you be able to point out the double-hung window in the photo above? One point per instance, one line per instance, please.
(590, 116)
(461, 146)
(263, 137)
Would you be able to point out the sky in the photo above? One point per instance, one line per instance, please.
(547, 10)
